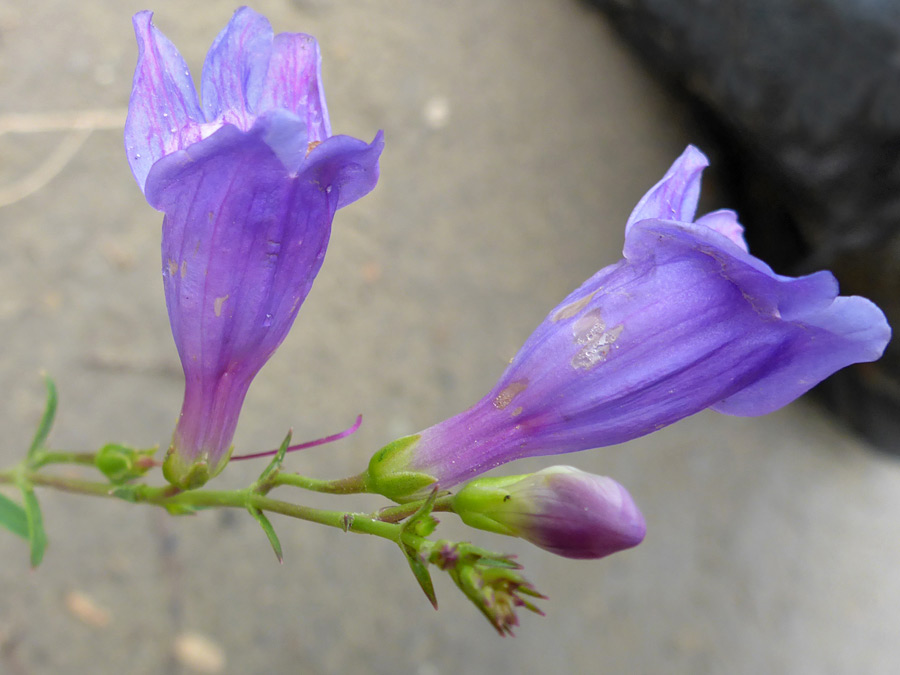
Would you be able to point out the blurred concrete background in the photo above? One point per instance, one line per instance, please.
(519, 136)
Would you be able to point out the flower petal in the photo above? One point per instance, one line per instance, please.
(675, 197)
(725, 222)
(163, 113)
(584, 516)
(346, 165)
(242, 243)
(249, 184)
(688, 320)
(821, 332)
(850, 330)
(293, 82)
(235, 69)
(654, 344)
(679, 326)
(285, 133)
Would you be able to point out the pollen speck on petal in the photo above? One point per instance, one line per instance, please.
(505, 397)
(218, 304)
(572, 309)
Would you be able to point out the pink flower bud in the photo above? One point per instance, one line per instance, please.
(561, 509)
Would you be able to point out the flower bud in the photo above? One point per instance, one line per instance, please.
(119, 463)
(559, 509)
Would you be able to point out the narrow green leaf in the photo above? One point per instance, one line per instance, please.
(43, 430)
(420, 525)
(275, 464)
(12, 517)
(268, 529)
(423, 576)
(36, 534)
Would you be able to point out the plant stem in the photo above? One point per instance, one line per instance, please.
(46, 457)
(340, 486)
(241, 498)
(351, 522)
(74, 485)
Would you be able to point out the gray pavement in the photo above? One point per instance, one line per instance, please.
(519, 136)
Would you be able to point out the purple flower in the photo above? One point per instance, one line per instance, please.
(687, 320)
(249, 182)
(560, 509)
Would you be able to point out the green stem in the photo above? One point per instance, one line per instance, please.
(73, 485)
(243, 498)
(351, 522)
(45, 457)
(340, 486)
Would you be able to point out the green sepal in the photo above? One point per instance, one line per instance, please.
(425, 526)
(491, 581)
(13, 517)
(37, 537)
(500, 561)
(478, 502)
(401, 487)
(484, 522)
(388, 474)
(414, 524)
(183, 476)
(44, 426)
(267, 527)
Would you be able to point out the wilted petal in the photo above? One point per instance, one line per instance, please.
(163, 113)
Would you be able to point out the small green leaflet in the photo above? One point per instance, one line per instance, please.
(36, 534)
(12, 517)
(43, 430)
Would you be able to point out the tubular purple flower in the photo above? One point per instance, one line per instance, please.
(561, 509)
(688, 320)
(249, 183)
